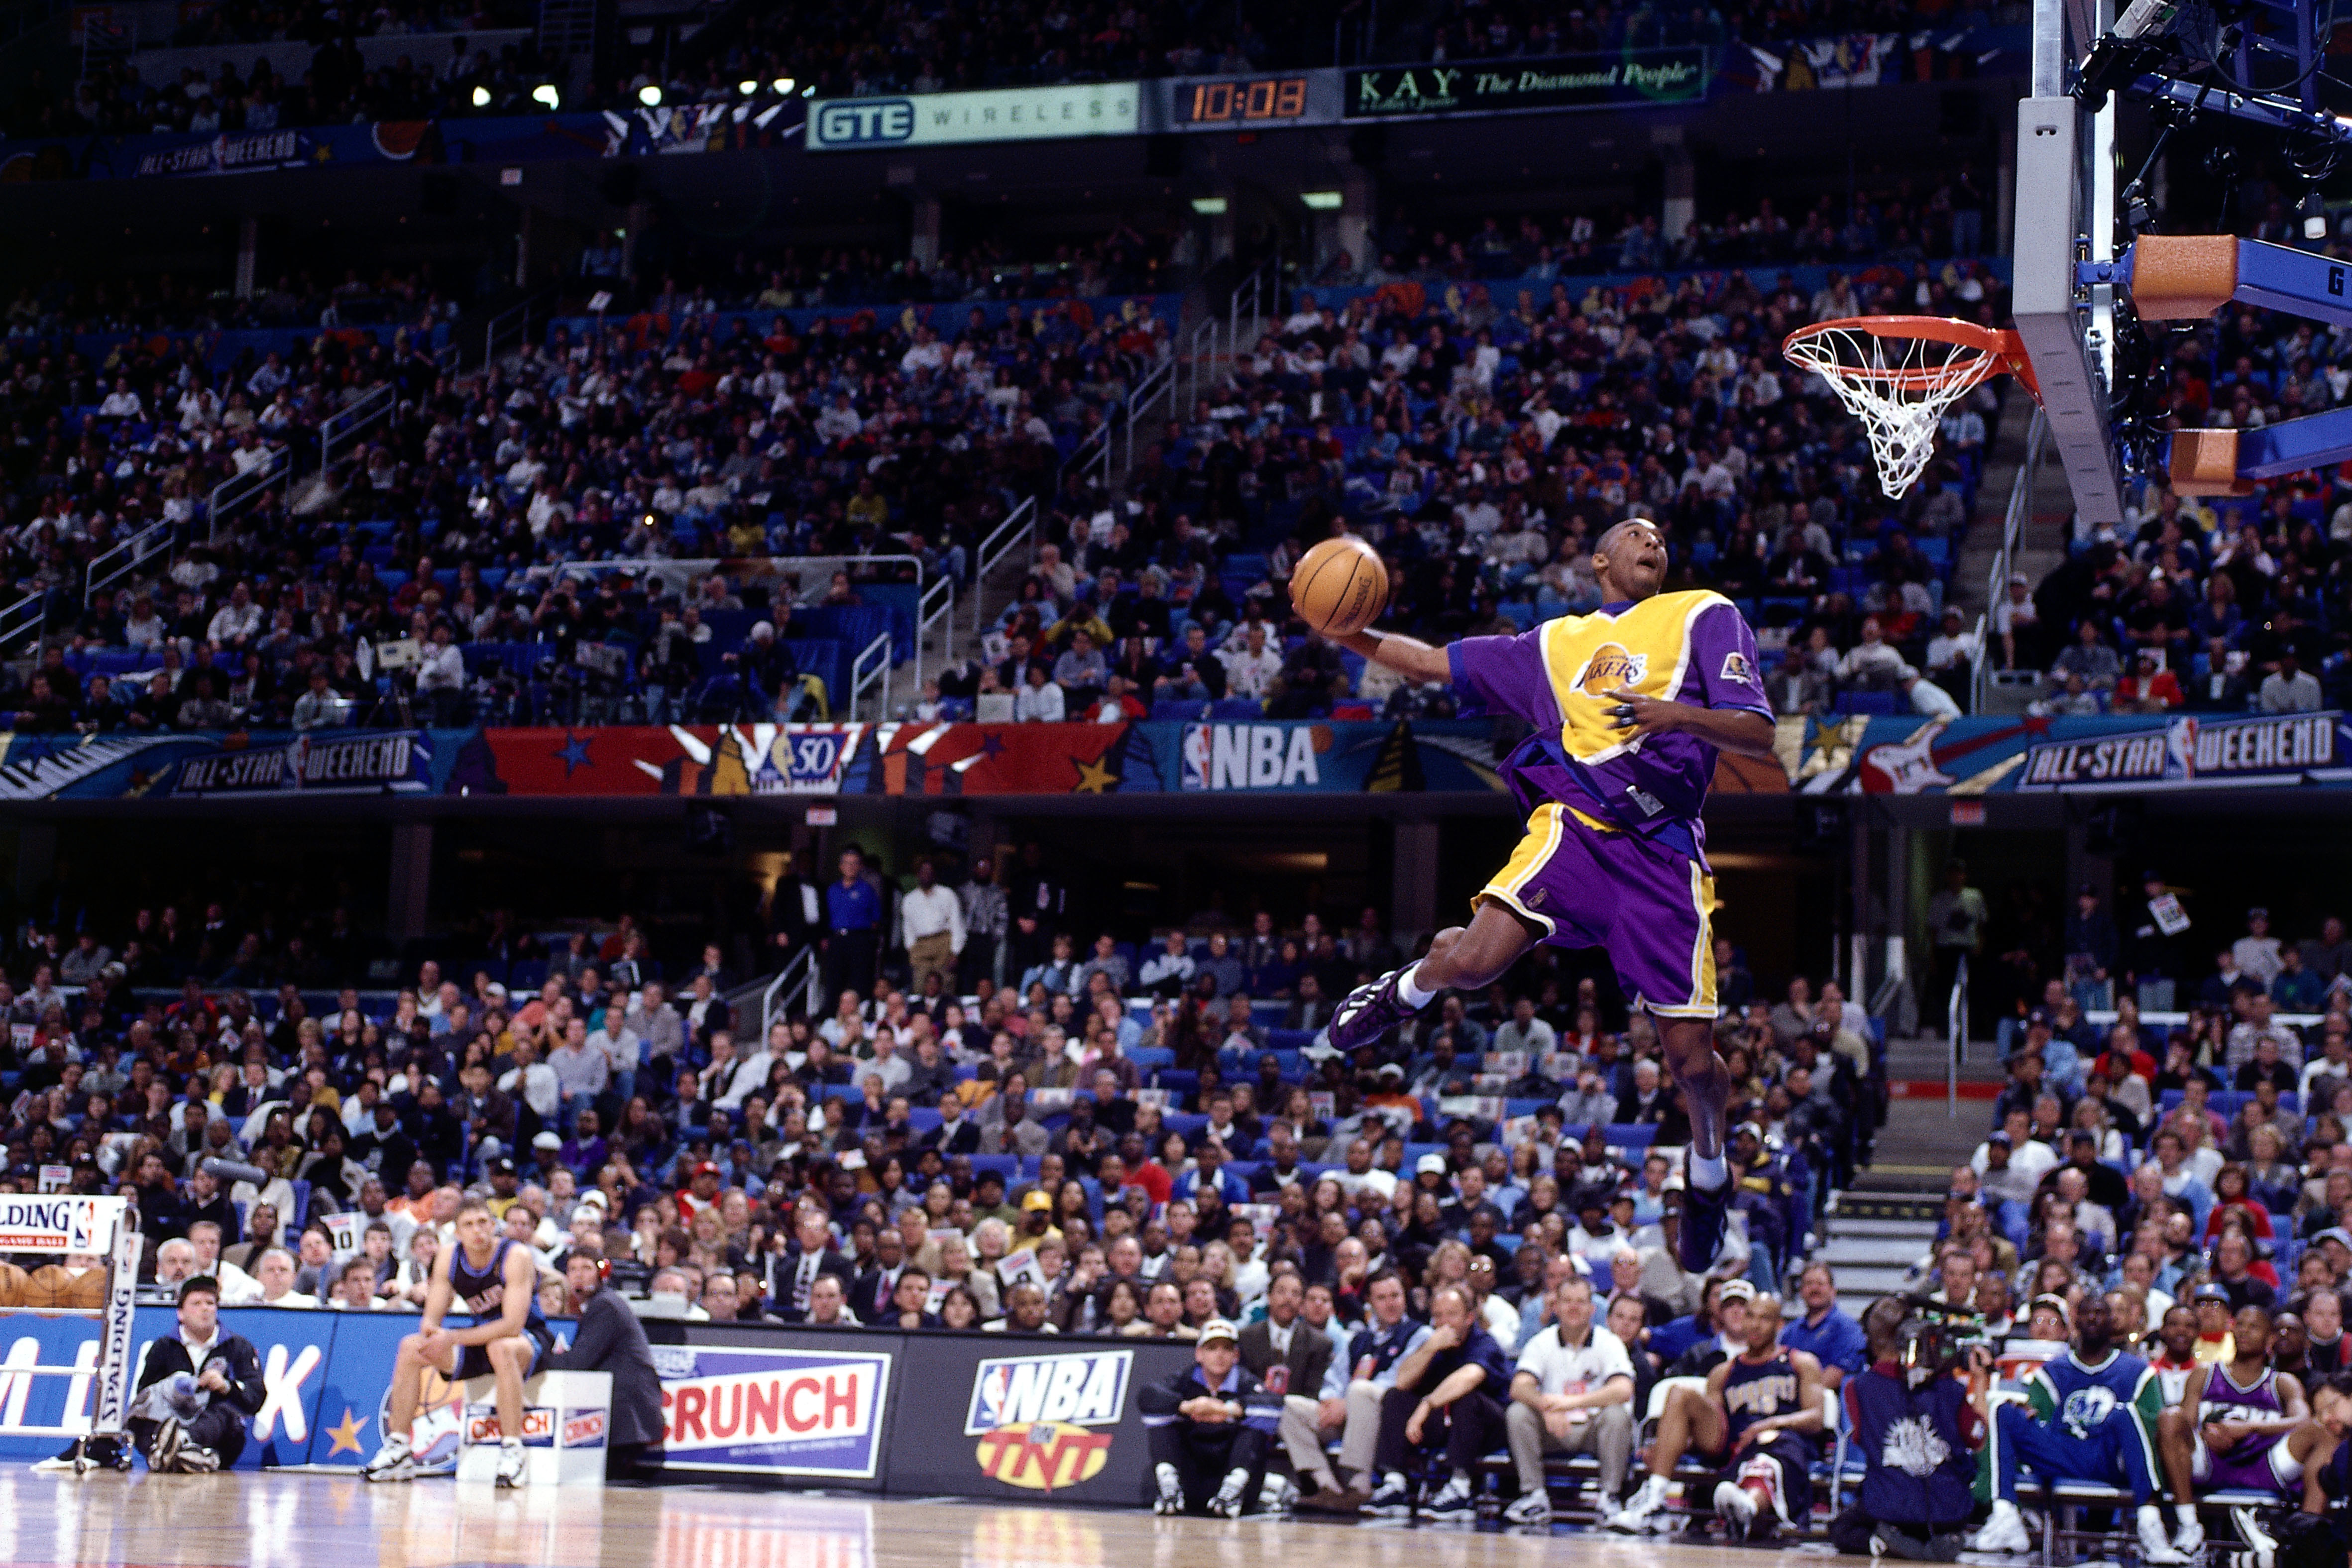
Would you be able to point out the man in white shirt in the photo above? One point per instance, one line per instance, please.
(1251, 668)
(1573, 1393)
(1926, 697)
(275, 1270)
(2257, 951)
(889, 1065)
(2290, 689)
(620, 1048)
(532, 1080)
(237, 1289)
(1169, 968)
(1362, 1176)
(930, 927)
(736, 1080)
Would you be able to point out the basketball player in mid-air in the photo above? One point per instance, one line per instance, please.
(496, 1280)
(1630, 705)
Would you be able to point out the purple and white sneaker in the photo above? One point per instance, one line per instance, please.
(1369, 1011)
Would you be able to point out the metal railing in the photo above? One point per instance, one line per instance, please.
(1956, 1025)
(1091, 460)
(2012, 535)
(239, 491)
(1199, 365)
(112, 566)
(935, 608)
(1157, 385)
(1255, 297)
(373, 405)
(801, 971)
(25, 620)
(1019, 525)
(509, 325)
(863, 675)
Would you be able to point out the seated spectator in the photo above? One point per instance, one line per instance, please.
(198, 1389)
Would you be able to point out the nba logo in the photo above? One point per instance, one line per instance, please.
(1197, 748)
(2180, 748)
(996, 1381)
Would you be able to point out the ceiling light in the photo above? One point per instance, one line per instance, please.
(650, 96)
(782, 84)
(481, 98)
(746, 87)
(1323, 201)
(1209, 206)
(545, 93)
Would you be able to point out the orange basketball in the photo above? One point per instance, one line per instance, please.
(1341, 586)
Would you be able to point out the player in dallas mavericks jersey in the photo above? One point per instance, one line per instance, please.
(2089, 1416)
(1630, 706)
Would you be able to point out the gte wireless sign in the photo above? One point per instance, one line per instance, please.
(863, 122)
(946, 118)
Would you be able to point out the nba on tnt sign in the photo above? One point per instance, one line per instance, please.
(1072, 1390)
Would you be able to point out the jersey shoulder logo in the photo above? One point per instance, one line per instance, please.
(1736, 668)
(1608, 667)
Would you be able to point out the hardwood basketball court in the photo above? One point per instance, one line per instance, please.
(324, 1521)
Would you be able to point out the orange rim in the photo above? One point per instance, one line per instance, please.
(2001, 351)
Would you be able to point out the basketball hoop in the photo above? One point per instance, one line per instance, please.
(1898, 374)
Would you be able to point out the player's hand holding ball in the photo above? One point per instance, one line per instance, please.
(1340, 587)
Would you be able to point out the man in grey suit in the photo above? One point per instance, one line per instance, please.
(610, 1339)
(1292, 1359)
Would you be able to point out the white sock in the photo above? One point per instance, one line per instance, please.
(1395, 1478)
(1414, 996)
(1708, 1174)
(1461, 1479)
(2186, 1513)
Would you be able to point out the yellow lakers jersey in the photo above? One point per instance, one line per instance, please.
(1563, 675)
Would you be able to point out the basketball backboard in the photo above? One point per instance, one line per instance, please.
(2065, 210)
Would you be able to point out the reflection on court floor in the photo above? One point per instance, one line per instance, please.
(321, 1522)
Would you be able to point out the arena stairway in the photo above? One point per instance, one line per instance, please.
(1874, 1238)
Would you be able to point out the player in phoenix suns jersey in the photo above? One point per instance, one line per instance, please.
(1630, 706)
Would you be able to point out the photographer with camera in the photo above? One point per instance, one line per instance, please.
(1916, 1431)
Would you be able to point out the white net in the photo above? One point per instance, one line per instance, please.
(1899, 386)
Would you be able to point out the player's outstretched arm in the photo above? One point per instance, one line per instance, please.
(1409, 657)
(1734, 730)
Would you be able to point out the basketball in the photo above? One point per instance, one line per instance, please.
(1341, 586)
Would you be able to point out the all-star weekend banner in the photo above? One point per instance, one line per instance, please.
(1853, 756)
(897, 759)
(2029, 755)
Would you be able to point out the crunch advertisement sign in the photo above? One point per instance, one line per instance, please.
(789, 1412)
